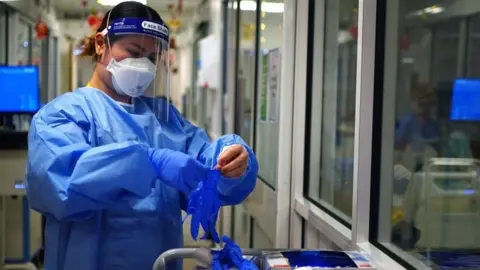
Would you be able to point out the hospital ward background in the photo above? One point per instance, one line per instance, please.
(364, 116)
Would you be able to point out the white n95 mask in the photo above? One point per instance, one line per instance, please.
(132, 76)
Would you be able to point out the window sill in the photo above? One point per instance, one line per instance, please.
(328, 225)
(381, 260)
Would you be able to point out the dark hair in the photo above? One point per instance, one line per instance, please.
(129, 9)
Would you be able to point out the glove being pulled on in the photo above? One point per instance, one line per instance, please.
(230, 257)
(177, 169)
(204, 205)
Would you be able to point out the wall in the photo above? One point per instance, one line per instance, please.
(12, 163)
(182, 80)
(47, 12)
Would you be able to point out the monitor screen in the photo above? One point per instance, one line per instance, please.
(19, 89)
(465, 100)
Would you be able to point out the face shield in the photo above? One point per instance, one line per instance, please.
(139, 64)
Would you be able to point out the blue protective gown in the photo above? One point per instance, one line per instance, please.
(88, 171)
(411, 131)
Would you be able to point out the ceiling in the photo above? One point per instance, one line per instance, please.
(160, 5)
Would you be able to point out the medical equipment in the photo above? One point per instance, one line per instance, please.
(19, 89)
(444, 203)
(20, 228)
(465, 100)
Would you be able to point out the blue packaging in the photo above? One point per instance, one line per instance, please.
(315, 259)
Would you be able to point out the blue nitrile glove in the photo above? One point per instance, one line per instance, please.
(231, 257)
(177, 169)
(204, 205)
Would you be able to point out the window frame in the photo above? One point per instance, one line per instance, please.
(258, 81)
(303, 211)
(316, 65)
(5, 10)
(370, 38)
(386, 58)
(267, 206)
(233, 104)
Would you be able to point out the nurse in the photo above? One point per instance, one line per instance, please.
(111, 164)
(419, 129)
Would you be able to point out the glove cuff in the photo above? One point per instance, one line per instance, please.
(151, 152)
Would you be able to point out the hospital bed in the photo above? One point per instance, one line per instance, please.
(443, 201)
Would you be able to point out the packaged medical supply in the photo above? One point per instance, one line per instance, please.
(315, 260)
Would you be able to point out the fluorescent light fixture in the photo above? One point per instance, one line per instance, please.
(269, 7)
(116, 2)
(430, 10)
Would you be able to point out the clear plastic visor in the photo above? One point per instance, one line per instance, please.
(140, 61)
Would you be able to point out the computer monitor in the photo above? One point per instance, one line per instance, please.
(465, 100)
(19, 90)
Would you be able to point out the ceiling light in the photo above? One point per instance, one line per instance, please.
(116, 2)
(427, 11)
(268, 7)
(434, 10)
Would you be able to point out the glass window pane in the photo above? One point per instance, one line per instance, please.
(246, 74)
(429, 158)
(260, 238)
(231, 61)
(268, 89)
(333, 98)
(3, 37)
(241, 225)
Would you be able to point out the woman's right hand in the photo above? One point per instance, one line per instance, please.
(177, 169)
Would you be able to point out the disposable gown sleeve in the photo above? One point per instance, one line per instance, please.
(232, 190)
(404, 130)
(69, 179)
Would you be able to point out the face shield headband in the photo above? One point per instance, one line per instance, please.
(142, 76)
(136, 26)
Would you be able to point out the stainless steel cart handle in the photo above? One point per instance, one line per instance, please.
(190, 253)
(179, 253)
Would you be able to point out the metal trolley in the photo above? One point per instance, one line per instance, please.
(356, 260)
(192, 253)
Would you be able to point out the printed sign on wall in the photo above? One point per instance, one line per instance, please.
(264, 88)
(274, 85)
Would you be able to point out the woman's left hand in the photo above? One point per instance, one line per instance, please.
(233, 161)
